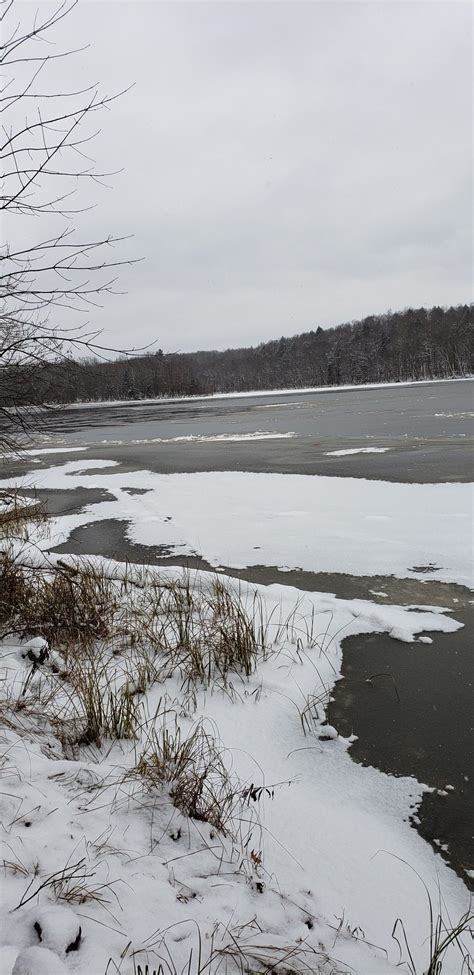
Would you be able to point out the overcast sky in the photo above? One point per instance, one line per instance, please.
(286, 165)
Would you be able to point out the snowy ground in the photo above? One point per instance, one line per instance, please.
(319, 868)
(324, 873)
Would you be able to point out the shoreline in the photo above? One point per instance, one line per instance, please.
(87, 404)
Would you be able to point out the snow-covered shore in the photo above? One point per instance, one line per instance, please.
(323, 861)
(319, 859)
(266, 392)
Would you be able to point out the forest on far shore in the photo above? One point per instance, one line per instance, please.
(412, 344)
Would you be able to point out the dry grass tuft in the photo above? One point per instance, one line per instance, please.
(231, 950)
(209, 633)
(443, 935)
(71, 604)
(74, 883)
(15, 592)
(98, 705)
(61, 603)
(19, 515)
(193, 769)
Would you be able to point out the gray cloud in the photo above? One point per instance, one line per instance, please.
(286, 164)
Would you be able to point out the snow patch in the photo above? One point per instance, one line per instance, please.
(43, 450)
(219, 438)
(466, 413)
(357, 450)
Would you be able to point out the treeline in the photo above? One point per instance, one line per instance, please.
(412, 344)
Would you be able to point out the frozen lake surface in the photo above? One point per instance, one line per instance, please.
(404, 433)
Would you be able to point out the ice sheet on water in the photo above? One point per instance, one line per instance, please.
(314, 523)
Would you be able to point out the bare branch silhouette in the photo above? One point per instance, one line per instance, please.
(43, 164)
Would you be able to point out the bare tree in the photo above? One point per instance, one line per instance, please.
(45, 139)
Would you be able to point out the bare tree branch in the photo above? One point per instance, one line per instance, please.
(45, 279)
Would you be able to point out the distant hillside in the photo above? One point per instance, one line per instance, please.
(411, 344)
